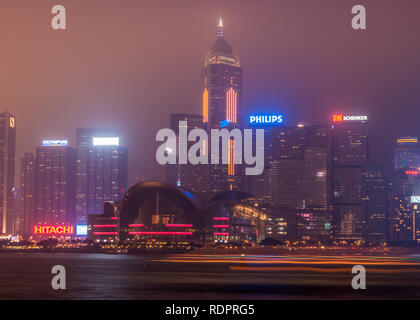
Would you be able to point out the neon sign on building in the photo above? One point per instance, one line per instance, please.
(53, 230)
(272, 119)
(415, 199)
(55, 143)
(407, 140)
(341, 118)
(106, 141)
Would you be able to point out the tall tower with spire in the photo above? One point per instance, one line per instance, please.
(221, 92)
(221, 83)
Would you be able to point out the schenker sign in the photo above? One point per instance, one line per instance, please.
(340, 118)
(53, 230)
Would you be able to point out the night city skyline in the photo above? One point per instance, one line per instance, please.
(209, 151)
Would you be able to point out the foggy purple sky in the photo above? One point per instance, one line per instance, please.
(129, 64)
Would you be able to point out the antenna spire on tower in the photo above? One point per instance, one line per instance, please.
(220, 29)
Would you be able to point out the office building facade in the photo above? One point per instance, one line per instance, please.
(55, 184)
(7, 172)
(27, 193)
(350, 153)
(101, 170)
(374, 203)
(191, 177)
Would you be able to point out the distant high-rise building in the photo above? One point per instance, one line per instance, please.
(317, 155)
(27, 193)
(299, 161)
(407, 153)
(259, 185)
(287, 167)
(55, 183)
(404, 222)
(222, 83)
(374, 203)
(192, 177)
(350, 153)
(101, 170)
(7, 171)
(221, 92)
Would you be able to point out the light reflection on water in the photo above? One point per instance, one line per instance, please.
(195, 276)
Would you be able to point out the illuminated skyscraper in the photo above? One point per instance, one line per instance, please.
(101, 170)
(7, 171)
(221, 91)
(27, 193)
(222, 83)
(55, 183)
(407, 153)
(350, 153)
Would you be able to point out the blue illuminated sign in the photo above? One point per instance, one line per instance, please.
(224, 123)
(272, 119)
(81, 230)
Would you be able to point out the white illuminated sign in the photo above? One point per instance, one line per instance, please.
(415, 199)
(81, 230)
(355, 118)
(106, 141)
(55, 143)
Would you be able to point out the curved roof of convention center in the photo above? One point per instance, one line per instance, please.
(149, 185)
(230, 196)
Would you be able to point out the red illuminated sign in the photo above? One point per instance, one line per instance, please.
(179, 225)
(161, 233)
(411, 172)
(53, 230)
(338, 118)
(105, 226)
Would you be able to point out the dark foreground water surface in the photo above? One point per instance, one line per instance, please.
(199, 276)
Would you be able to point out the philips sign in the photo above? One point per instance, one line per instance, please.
(266, 119)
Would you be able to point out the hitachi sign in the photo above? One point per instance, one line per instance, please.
(53, 230)
(266, 119)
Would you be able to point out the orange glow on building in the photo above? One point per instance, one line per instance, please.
(205, 105)
(53, 230)
(407, 140)
(231, 166)
(231, 105)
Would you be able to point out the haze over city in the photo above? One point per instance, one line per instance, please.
(129, 66)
